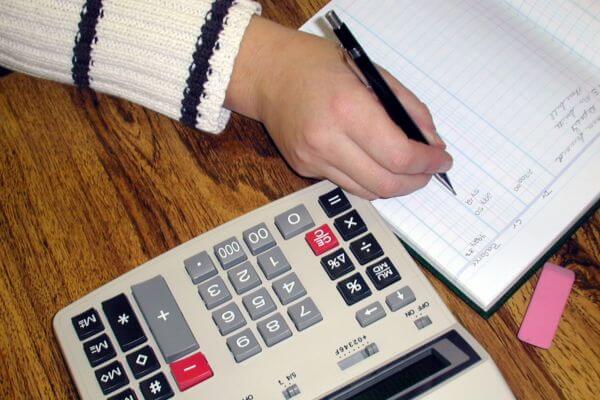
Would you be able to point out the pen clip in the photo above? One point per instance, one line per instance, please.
(352, 65)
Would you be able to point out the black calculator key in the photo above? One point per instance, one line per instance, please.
(156, 388)
(142, 362)
(353, 289)
(350, 225)
(337, 264)
(123, 322)
(99, 350)
(383, 273)
(366, 249)
(124, 395)
(87, 324)
(334, 202)
(111, 377)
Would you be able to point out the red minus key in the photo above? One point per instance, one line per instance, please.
(190, 371)
(321, 239)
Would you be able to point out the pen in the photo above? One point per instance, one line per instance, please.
(372, 78)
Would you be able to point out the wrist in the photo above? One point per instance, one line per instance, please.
(255, 70)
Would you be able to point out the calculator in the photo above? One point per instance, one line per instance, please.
(309, 297)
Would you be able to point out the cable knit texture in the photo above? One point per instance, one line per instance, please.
(173, 56)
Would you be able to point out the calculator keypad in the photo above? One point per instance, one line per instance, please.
(260, 284)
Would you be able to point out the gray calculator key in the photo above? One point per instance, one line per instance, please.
(258, 238)
(228, 318)
(200, 267)
(294, 222)
(214, 292)
(288, 288)
(400, 298)
(243, 345)
(229, 252)
(304, 314)
(163, 316)
(274, 329)
(258, 304)
(371, 313)
(243, 277)
(273, 263)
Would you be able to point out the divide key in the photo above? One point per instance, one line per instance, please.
(163, 316)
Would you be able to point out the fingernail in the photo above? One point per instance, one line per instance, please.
(446, 165)
(439, 140)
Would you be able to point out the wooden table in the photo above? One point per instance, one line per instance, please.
(92, 186)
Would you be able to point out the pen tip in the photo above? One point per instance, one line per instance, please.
(443, 179)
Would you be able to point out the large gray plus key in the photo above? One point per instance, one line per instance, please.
(162, 314)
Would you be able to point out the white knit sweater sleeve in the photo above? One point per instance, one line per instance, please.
(173, 56)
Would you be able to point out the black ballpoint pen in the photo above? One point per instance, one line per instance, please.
(375, 81)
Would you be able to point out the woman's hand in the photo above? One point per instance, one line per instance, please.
(325, 122)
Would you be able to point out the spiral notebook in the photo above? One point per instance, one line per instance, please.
(514, 89)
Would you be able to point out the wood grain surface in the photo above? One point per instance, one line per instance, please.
(92, 186)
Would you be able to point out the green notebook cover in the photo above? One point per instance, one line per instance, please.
(532, 270)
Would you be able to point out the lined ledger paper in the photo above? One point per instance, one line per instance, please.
(514, 89)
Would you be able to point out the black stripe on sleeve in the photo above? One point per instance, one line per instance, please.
(200, 69)
(90, 12)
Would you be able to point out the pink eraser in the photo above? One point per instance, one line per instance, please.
(546, 307)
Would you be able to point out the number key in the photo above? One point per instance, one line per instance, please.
(214, 292)
(274, 329)
(228, 318)
(243, 277)
(258, 239)
(229, 253)
(258, 303)
(243, 345)
(304, 314)
(288, 288)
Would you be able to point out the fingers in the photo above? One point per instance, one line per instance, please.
(369, 175)
(385, 142)
(348, 184)
(415, 108)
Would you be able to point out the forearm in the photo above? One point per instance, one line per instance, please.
(165, 55)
